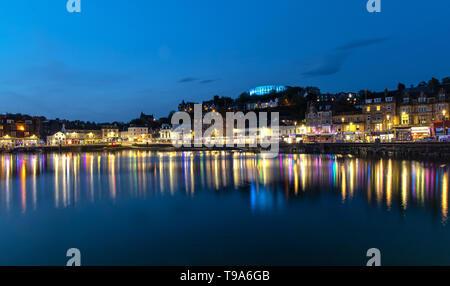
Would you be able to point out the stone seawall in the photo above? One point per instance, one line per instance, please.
(413, 151)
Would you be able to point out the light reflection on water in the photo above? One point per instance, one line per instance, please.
(64, 180)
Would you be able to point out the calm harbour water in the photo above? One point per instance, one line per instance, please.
(202, 208)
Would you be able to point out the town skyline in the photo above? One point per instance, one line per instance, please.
(123, 56)
(175, 107)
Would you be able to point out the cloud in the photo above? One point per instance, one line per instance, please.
(361, 43)
(206, 81)
(194, 79)
(187, 79)
(333, 62)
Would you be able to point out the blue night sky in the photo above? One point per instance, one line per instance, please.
(120, 57)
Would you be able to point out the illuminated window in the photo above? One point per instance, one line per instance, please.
(378, 108)
(405, 119)
(368, 109)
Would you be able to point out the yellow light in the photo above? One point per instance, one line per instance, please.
(378, 108)
(368, 109)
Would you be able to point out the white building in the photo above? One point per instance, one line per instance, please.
(164, 133)
(110, 134)
(57, 138)
(292, 133)
(135, 134)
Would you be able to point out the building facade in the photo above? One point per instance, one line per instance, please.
(349, 127)
(19, 130)
(267, 89)
(380, 111)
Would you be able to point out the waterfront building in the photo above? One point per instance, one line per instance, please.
(59, 138)
(440, 129)
(135, 134)
(419, 108)
(110, 133)
(181, 133)
(19, 130)
(83, 136)
(319, 120)
(165, 133)
(380, 111)
(292, 133)
(75, 137)
(349, 127)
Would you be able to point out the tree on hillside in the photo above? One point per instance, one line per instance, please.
(422, 84)
(244, 97)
